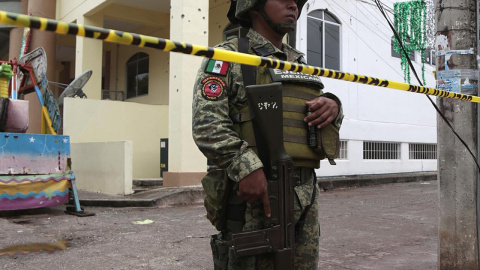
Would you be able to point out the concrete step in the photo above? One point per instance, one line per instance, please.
(159, 196)
(148, 182)
(138, 189)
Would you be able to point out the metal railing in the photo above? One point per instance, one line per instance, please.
(113, 95)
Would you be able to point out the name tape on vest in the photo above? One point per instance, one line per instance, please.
(279, 75)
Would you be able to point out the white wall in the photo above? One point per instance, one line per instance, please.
(103, 166)
(355, 164)
(88, 120)
(373, 113)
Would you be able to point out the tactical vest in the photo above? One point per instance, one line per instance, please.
(297, 88)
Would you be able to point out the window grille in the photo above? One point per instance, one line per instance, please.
(422, 151)
(381, 150)
(343, 150)
(113, 95)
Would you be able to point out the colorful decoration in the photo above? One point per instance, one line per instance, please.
(430, 24)
(5, 74)
(34, 170)
(27, 36)
(410, 24)
(25, 153)
(34, 191)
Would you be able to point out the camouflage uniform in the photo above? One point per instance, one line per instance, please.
(217, 137)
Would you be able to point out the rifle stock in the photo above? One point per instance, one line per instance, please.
(278, 235)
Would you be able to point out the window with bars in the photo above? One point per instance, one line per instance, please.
(381, 150)
(422, 151)
(343, 150)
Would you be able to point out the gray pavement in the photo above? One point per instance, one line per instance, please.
(387, 226)
(153, 193)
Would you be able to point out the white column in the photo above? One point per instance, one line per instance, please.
(189, 23)
(89, 56)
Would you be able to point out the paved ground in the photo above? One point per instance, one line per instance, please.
(390, 226)
(382, 227)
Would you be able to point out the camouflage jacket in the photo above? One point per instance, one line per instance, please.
(219, 94)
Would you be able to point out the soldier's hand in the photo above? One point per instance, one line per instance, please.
(324, 111)
(254, 187)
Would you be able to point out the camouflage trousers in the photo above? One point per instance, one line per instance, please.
(306, 247)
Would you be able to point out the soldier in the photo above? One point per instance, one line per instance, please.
(235, 185)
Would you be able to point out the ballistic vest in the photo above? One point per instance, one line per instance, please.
(297, 88)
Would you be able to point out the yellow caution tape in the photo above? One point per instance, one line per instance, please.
(116, 36)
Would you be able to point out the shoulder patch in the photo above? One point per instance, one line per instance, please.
(213, 88)
(217, 67)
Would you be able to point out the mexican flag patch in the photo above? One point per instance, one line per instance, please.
(217, 67)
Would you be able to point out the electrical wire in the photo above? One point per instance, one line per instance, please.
(390, 10)
(387, 39)
(367, 43)
(388, 6)
(369, 27)
(380, 7)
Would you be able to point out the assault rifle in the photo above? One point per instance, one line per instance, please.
(278, 237)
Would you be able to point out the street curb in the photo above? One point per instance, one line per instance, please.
(164, 196)
(117, 202)
(179, 196)
(328, 183)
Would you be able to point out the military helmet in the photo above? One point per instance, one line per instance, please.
(238, 13)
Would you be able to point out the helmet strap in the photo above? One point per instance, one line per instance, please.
(280, 28)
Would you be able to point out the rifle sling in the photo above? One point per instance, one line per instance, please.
(249, 72)
(236, 206)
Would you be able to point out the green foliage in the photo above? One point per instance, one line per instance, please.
(410, 24)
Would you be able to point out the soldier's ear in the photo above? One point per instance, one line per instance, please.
(254, 14)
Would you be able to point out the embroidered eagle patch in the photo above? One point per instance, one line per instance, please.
(213, 88)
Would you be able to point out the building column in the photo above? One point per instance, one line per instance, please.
(188, 23)
(46, 40)
(16, 35)
(39, 38)
(89, 53)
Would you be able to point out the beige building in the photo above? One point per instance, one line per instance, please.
(136, 96)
